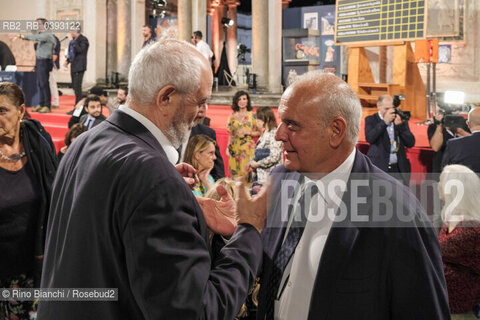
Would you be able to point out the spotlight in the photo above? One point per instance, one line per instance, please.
(159, 3)
(454, 97)
(227, 22)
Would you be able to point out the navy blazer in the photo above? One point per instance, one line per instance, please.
(218, 170)
(121, 216)
(463, 150)
(80, 48)
(371, 271)
(379, 150)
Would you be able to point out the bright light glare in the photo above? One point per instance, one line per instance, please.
(454, 97)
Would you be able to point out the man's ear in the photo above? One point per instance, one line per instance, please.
(338, 128)
(165, 96)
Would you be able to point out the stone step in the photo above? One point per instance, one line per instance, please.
(224, 96)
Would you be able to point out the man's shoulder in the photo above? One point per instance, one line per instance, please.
(372, 118)
(460, 141)
(203, 129)
(115, 145)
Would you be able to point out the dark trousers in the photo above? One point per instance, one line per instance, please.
(394, 171)
(42, 70)
(77, 78)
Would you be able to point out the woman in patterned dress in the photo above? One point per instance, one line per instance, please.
(263, 164)
(242, 128)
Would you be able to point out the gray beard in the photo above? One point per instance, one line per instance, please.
(177, 133)
(178, 130)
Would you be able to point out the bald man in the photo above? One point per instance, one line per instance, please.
(466, 150)
(388, 136)
(123, 217)
(321, 259)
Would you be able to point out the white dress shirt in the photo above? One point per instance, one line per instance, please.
(204, 49)
(301, 271)
(167, 146)
(89, 122)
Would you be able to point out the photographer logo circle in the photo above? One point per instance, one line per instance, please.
(6, 294)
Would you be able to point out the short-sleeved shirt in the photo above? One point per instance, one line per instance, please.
(437, 158)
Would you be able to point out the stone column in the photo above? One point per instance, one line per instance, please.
(111, 59)
(218, 33)
(232, 36)
(43, 10)
(124, 39)
(184, 19)
(215, 30)
(199, 18)
(260, 37)
(95, 12)
(274, 46)
(137, 23)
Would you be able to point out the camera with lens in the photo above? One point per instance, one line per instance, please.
(452, 113)
(404, 115)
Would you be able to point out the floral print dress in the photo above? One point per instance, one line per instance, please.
(267, 141)
(241, 148)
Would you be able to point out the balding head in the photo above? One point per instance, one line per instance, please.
(330, 97)
(320, 121)
(474, 119)
(167, 62)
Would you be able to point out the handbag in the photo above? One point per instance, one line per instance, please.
(261, 153)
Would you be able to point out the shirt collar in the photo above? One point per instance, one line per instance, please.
(342, 173)
(167, 146)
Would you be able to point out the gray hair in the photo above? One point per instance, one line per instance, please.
(460, 182)
(337, 100)
(166, 62)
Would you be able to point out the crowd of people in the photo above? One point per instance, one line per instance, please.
(140, 202)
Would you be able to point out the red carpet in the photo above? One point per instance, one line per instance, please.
(56, 124)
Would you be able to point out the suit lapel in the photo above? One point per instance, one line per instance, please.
(275, 227)
(340, 242)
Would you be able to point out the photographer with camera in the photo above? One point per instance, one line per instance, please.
(388, 134)
(438, 135)
(465, 150)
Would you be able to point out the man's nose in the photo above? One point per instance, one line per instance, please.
(280, 135)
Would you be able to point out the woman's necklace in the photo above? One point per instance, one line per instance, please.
(13, 158)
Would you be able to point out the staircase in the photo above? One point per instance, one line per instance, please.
(55, 124)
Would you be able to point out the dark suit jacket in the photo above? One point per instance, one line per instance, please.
(379, 151)
(97, 121)
(80, 48)
(371, 271)
(123, 217)
(463, 150)
(218, 170)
